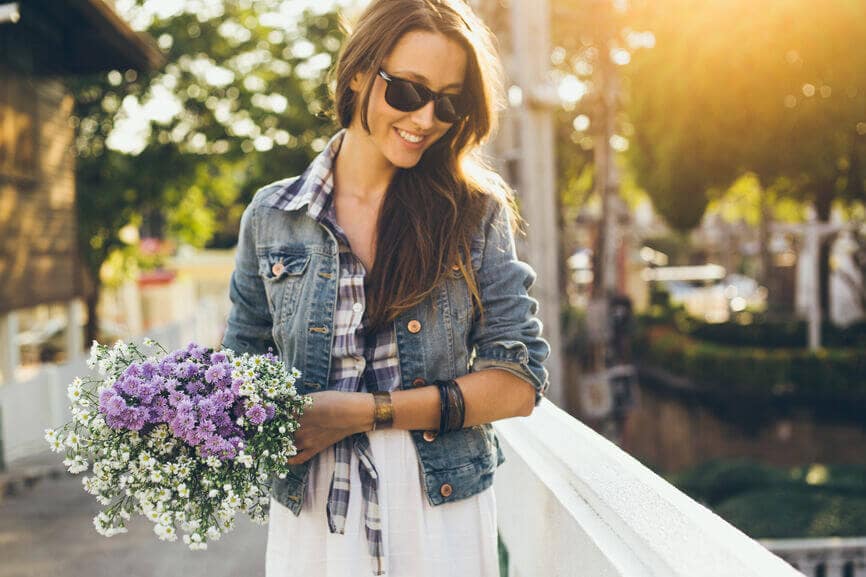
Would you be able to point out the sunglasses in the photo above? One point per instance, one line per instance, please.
(408, 96)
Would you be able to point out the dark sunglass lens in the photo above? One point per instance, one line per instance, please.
(450, 108)
(405, 96)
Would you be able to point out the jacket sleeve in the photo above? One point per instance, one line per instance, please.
(249, 325)
(510, 336)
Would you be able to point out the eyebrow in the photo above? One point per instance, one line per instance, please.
(424, 79)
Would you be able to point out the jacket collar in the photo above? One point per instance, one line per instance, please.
(313, 188)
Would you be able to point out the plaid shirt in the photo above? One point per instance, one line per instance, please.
(360, 362)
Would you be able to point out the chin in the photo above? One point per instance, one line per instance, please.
(403, 160)
(405, 163)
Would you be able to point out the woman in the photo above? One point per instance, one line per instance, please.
(386, 274)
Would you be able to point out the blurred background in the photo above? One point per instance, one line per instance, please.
(693, 175)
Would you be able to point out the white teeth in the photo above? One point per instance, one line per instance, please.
(410, 137)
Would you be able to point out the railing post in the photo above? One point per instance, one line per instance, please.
(10, 355)
(74, 335)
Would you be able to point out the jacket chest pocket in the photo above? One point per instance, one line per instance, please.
(282, 273)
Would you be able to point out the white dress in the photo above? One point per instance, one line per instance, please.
(456, 539)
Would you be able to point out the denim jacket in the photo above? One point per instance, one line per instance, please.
(293, 311)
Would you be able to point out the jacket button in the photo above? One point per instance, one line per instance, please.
(278, 268)
(414, 326)
(446, 490)
(419, 382)
(429, 436)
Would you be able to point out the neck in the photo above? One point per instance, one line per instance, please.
(360, 170)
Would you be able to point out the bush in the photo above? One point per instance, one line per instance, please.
(795, 512)
(776, 334)
(754, 370)
(813, 500)
(716, 480)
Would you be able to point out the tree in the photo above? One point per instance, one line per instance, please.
(241, 102)
(727, 90)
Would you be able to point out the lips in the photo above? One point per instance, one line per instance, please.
(409, 143)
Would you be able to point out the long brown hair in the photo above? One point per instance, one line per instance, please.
(431, 211)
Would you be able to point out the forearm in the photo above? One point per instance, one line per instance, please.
(489, 395)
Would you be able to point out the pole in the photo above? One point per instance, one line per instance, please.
(536, 181)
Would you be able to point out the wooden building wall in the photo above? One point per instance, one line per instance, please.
(38, 252)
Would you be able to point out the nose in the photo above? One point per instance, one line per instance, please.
(424, 117)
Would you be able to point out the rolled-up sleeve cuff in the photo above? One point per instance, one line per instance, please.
(513, 357)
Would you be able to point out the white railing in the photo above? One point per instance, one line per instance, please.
(833, 557)
(571, 503)
(38, 401)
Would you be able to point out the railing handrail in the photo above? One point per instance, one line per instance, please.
(573, 503)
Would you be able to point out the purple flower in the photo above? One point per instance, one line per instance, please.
(182, 425)
(218, 357)
(135, 418)
(148, 369)
(129, 385)
(185, 406)
(215, 373)
(207, 426)
(195, 351)
(228, 452)
(270, 409)
(153, 414)
(256, 414)
(147, 391)
(114, 406)
(133, 370)
(194, 387)
(176, 397)
(115, 422)
(224, 398)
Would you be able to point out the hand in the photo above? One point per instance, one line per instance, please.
(333, 416)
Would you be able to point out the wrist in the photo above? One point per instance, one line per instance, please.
(363, 414)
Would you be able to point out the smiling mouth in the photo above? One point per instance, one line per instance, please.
(409, 137)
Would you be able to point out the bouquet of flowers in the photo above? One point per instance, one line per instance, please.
(187, 438)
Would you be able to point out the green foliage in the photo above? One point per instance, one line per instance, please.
(714, 481)
(796, 512)
(755, 370)
(774, 334)
(814, 500)
(726, 91)
(240, 102)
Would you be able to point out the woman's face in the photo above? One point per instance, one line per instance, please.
(428, 58)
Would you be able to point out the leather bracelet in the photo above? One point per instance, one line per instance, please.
(383, 410)
(452, 408)
(459, 409)
(443, 406)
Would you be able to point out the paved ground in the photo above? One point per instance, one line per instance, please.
(46, 530)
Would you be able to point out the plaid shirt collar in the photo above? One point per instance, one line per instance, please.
(314, 187)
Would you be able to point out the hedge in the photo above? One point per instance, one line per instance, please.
(752, 369)
(768, 502)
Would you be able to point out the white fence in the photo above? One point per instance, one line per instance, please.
(832, 557)
(38, 402)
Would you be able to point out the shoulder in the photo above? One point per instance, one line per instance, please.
(501, 213)
(265, 195)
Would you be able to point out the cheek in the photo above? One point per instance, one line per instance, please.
(379, 114)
